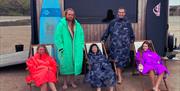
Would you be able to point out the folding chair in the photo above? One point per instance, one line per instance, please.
(137, 44)
(33, 50)
(103, 51)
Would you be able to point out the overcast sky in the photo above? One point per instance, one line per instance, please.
(174, 2)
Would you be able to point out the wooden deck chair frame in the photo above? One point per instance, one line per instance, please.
(103, 51)
(32, 51)
(138, 44)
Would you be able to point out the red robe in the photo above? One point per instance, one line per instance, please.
(42, 69)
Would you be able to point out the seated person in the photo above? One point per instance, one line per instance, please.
(100, 72)
(42, 69)
(149, 62)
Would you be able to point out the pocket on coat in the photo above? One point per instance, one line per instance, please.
(60, 55)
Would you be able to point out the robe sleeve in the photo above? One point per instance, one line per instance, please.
(82, 37)
(32, 67)
(158, 58)
(139, 59)
(53, 65)
(58, 37)
(106, 33)
(90, 60)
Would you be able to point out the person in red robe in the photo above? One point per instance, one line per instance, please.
(42, 69)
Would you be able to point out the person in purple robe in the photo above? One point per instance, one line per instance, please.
(149, 62)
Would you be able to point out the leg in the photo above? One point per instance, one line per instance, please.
(158, 81)
(44, 87)
(119, 73)
(152, 77)
(111, 88)
(72, 81)
(98, 89)
(64, 82)
(30, 86)
(52, 86)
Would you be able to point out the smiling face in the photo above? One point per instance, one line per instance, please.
(94, 49)
(145, 47)
(121, 13)
(41, 50)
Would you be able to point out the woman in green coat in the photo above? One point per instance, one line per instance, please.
(69, 42)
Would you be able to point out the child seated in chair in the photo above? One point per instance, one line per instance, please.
(42, 69)
(149, 62)
(100, 72)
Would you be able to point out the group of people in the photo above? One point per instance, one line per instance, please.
(69, 43)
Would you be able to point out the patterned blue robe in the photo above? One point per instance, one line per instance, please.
(121, 36)
(100, 73)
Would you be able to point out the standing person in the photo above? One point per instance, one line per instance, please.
(121, 36)
(149, 62)
(42, 69)
(69, 41)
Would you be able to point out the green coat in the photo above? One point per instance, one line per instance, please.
(70, 50)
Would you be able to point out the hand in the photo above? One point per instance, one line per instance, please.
(42, 67)
(89, 67)
(140, 67)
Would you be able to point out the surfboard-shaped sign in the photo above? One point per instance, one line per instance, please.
(50, 15)
(157, 24)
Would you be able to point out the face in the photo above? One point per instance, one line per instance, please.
(41, 50)
(70, 15)
(145, 47)
(121, 13)
(94, 49)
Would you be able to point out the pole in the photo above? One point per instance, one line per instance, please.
(34, 30)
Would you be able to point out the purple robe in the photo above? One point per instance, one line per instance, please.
(151, 61)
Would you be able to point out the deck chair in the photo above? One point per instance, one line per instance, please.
(137, 44)
(103, 51)
(33, 50)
